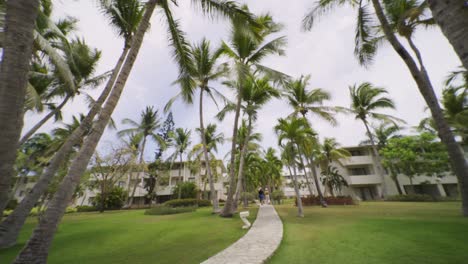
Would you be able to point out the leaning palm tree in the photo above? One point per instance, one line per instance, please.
(45, 230)
(9, 230)
(365, 100)
(203, 70)
(402, 17)
(147, 126)
(181, 142)
(248, 46)
(20, 18)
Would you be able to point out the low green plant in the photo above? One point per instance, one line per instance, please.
(7, 212)
(187, 190)
(166, 210)
(187, 202)
(277, 196)
(247, 195)
(86, 208)
(70, 210)
(410, 198)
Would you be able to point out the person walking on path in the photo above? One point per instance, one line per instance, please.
(261, 195)
(267, 196)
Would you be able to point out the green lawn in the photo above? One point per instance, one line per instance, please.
(374, 232)
(132, 237)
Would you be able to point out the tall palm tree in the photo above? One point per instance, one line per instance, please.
(203, 70)
(9, 230)
(256, 92)
(38, 245)
(382, 133)
(17, 43)
(181, 142)
(294, 131)
(147, 126)
(455, 102)
(402, 17)
(330, 152)
(365, 100)
(248, 46)
(444, 13)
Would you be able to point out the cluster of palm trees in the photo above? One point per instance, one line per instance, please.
(41, 64)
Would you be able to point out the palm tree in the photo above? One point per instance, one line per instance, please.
(454, 29)
(330, 152)
(256, 92)
(246, 49)
(202, 71)
(382, 133)
(288, 155)
(148, 125)
(38, 245)
(10, 230)
(17, 46)
(455, 102)
(294, 131)
(402, 17)
(181, 141)
(365, 100)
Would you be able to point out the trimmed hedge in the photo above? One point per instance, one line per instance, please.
(338, 200)
(187, 202)
(166, 210)
(86, 208)
(410, 198)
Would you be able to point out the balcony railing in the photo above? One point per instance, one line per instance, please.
(357, 160)
(364, 179)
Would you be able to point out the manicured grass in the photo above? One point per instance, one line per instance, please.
(374, 232)
(132, 237)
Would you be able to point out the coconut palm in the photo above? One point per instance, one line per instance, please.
(17, 43)
(180, 143)
(402, 17)
(454, 29)
(9, 231)
(147, 126)
(246, 49)
(366, 99)
(382, 133)
(288, 154)
(256, 92)
(203, 70)
(455, 102)
(333, 179)
(330, 152)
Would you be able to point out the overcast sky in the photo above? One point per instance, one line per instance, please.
(326, 53)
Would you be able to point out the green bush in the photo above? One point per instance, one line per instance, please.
(277, 196)
(166, 210)
(86, 208)
(7, 212)
(114, 200)
(187, 202)
(187, 190)
(11, 205)
(70, 210)
(410, 198)
(250, 196)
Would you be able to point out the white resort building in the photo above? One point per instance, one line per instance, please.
(364, 183)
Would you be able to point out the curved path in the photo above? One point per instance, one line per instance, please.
(258, 244)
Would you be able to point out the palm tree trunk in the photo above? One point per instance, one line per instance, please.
(43, 121)
(452, 17)
(397, 183)
(378, 160)
(103, 197)
(229, 207)
(323, 203)
(300, 210)
(17, 50)
(306, 176)
(140, 173)
(36, 249)
(180, 175)
(240, 173)
(11, 226)
(457, 159)
(213, 195)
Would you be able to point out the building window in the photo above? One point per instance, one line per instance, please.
(356, 152)
(358, 171)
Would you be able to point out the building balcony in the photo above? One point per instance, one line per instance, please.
(357, 160)
(364, 179)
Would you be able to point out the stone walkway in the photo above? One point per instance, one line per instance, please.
(258, 244)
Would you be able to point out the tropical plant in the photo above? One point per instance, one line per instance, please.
(333, 179)
(330, 152)
(247, 47)
(402, 17)
(288, 157)
(181, 142)
(382, 133)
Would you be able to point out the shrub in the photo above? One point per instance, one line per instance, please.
(277, 196)
(221, 200)
(338, 200)
(70, 210)
(187, 190)
(7, 212)
(11, 205)
(411, 198)
(250, 197)
(166, 210)
(114, 200)
(187, 202)
(86, 208)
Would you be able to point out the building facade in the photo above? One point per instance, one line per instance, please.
(364, 182)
